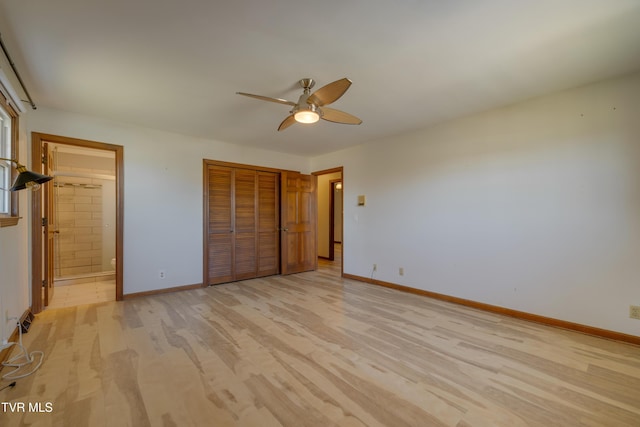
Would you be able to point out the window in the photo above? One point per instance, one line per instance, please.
(8, 150)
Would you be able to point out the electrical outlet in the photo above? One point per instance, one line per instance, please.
(634, 311)
(161, 274)
(401, 271)
(375, 267)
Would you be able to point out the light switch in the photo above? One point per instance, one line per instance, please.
(361, 200)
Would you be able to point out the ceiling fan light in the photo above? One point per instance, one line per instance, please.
(306, 116)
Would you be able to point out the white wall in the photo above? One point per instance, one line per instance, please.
(14, 248)
(14, 256)
(534, 207)
(163, 192)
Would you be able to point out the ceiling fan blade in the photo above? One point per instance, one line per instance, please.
(267, 98)
(337, 116)
(329, 93)
(287, 122)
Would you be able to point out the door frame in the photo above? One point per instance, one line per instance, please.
(331, 216)
(37, 141)
(48, 234)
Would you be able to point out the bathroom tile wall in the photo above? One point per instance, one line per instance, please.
(79, 221)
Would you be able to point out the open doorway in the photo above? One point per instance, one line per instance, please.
(83, 222)
(330, 218)
(335, 225)
(77, 223)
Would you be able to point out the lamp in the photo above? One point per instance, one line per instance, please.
(27, 178)
(307, 114)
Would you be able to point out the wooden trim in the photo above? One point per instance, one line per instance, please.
(577, 327)
(7, 221)
(342, 224)
(163, 291)
(12, 218)
(208, 162)
(66, 140)
(205, 221)
(324, 172)
(332, 220)
(119, 222)
(36, 230)
(327, 171)
(37, 139)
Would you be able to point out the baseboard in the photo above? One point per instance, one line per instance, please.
(162, 291)
(25, 322)
(590, 330)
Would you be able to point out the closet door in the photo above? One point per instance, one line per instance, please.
(220, 210)
(242, 217)
(268, 223)
(245, 224)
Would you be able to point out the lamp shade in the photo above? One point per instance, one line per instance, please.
(305, 112)
(307, 116)
(26, 178)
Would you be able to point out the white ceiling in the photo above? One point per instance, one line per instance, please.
(176, 65)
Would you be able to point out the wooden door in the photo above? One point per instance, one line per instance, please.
(268, 224)
(244, 235)
(242, 219)
(48, 229)
(220, 225)
(299, 223)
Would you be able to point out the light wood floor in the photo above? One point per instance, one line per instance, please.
(314, 350)
(93, 292)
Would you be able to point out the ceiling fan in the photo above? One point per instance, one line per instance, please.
(311, 107)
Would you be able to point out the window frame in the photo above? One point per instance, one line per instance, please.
(13, 215)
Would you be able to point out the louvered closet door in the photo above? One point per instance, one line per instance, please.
(268, 223)
(220, 227)
(243, 218)
(245, 230)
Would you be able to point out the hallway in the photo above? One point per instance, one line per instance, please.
(334, 266)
